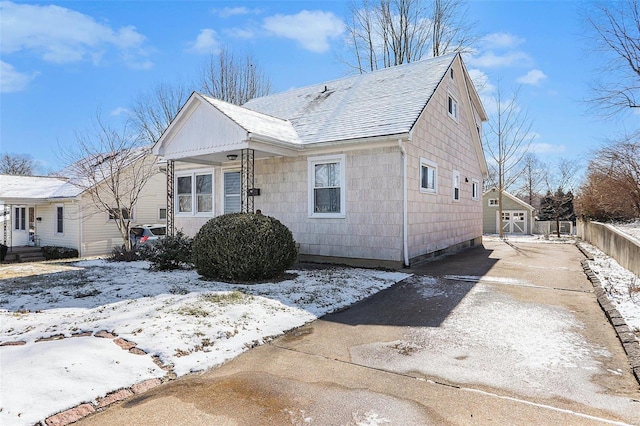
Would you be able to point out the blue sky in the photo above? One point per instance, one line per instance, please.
(61, 62)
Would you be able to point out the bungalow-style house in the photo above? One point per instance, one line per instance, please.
(384, 167)
(57, 211)
(518, 217)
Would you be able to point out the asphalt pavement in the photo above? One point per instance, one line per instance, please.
(499, 334)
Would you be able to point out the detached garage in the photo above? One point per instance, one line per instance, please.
(517, 216)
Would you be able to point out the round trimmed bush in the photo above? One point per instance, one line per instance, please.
(243, 247)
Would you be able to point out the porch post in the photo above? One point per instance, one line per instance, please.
(5, 217)
(170, 200)
(246, 180)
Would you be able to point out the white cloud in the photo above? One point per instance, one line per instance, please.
(501, 41)
(312, 29)
(227, 12)
(533, 78)
(12, 80)
(120, 111)
(509, 59)
(206, 43)
(60, 35)
(239, 33)
(546, 148)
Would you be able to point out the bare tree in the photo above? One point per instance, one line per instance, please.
(234, 79)
(153, 110)
(17, 164)
(615, 34)
(532, 180)
(386, 33)
(506, 140)
(112, 167)
(611, 190)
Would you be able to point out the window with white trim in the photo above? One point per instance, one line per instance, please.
(162, 213)
(452, 106)
(493, 202)
(327, 186)
(194, 193)
(456, 185)
(475, 189)
(59, 219)
(20, 219)
(428, 176)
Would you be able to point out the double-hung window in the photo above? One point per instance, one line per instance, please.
(123, 213)
(456, 185)
(428, 176)
(20, 219)
(327, 186)
(452, 106)
(59, 219)
(194, 191)
(475, 189)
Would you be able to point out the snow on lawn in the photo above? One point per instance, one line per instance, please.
(621, 285)
(189, 323)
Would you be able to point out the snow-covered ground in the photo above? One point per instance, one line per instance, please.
(632, 228)
(189, 323)
(621, 285)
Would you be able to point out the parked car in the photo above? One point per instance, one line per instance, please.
(146, 234)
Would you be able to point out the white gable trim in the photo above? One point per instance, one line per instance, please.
(511, 197)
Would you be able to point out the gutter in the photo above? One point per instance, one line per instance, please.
(405, 226)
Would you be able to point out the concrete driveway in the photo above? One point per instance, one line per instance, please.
(500, 334)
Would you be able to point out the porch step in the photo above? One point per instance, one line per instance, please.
(23, 254)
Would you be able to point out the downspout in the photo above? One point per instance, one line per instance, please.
(405, 227)
(81, 229)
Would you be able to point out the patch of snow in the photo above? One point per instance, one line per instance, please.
(189, 323)
(515, 238)
(621, 286)
(632, 228)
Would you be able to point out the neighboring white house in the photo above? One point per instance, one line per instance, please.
(385, 166)
(518, 217)
(54, 211)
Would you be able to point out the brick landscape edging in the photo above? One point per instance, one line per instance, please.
(625, 335)
(84, 409)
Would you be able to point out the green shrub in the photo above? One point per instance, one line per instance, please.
(3, 251)
(55, 252)
(169, 252)
(121, 254)
(243, 247)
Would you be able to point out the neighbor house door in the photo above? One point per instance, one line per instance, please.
(20, 232)
(514, 221)
(231, 192)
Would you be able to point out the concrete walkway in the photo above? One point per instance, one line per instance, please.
(500, 334)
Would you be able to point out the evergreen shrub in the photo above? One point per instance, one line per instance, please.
(55, 252)
(240, 247)
(169, 252)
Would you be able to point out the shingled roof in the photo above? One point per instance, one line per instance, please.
(381, 103)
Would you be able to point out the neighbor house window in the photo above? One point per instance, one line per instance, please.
(428, 176)
(59, 219)
(162, 213)
(20, 218)
(456, 185)
(115, 213)
(475, 188)
(194, 193)
(493, 201)
(327, 186)
(453, 107)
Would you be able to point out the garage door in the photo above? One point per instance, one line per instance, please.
(514, 221)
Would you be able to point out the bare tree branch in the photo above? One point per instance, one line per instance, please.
(17, 164)
(386, 33)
